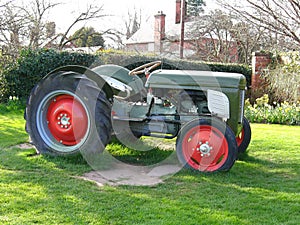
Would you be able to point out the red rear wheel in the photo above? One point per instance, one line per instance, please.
(63, 121)
(67, 119)
(67, 113)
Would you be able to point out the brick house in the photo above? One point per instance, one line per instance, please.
(163, 37)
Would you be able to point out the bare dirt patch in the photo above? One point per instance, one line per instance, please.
(129, 175)
(24, 146)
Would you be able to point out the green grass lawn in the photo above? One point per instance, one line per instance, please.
(261, 188)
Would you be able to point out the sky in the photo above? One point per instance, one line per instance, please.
(117, 11)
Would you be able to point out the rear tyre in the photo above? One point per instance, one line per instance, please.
(244, 138)
(206, 145)
(67, 113)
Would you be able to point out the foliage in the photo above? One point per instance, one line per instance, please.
(87, 37)
(277, 113)
(32, 65)
(12, 106)
(195, 7)
(263, 188)
(283, 77)
(132, 60)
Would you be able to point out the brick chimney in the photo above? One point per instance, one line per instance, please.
(178, 11)
(159, 30)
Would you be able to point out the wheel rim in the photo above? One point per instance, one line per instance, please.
(240, 137)
(63, 121)
(205, 148)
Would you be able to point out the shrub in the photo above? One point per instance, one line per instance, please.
(18, 78)
(32, 65)
(277, 113)
(132, 60)
(284, 79)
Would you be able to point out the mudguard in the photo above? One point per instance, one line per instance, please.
(102, 84)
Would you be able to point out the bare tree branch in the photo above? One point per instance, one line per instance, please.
(279, 17)
(92, 12)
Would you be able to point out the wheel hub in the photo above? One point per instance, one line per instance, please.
(204, 148)
(64, 121)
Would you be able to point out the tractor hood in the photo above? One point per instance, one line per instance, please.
(195, 80)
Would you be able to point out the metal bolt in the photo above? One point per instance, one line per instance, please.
(54, 100)
(61, 141)
(58, 118)
(61, 114)
(58, 123)
(62, 126)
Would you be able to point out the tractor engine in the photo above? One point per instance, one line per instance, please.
(186, 101)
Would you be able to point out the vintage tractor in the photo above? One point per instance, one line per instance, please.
(75, 109)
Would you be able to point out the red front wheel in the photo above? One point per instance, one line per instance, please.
(207, 145)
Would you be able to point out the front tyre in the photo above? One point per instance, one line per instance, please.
(67, 113)
(207, 145)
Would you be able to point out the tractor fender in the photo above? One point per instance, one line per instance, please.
(102, 84)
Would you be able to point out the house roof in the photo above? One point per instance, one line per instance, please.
(172, 32)
(146, 33)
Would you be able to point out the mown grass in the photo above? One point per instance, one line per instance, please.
(262, 188)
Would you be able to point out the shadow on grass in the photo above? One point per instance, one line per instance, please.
(255, 191)
(130, 156)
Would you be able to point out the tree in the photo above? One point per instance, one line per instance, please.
(249, 38)
(195, 7)
(24, 25)
(92, 12)
(280, 18)
(87, 37)
(35, 12)
(132, 23)
(212, 37)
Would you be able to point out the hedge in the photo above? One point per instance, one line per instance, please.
(20, 77)
(131, 60)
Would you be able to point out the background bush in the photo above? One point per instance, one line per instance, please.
(283, 78)
(21, 76)
(18, 78)
(131, 61)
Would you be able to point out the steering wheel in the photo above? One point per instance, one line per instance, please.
(144, 68)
